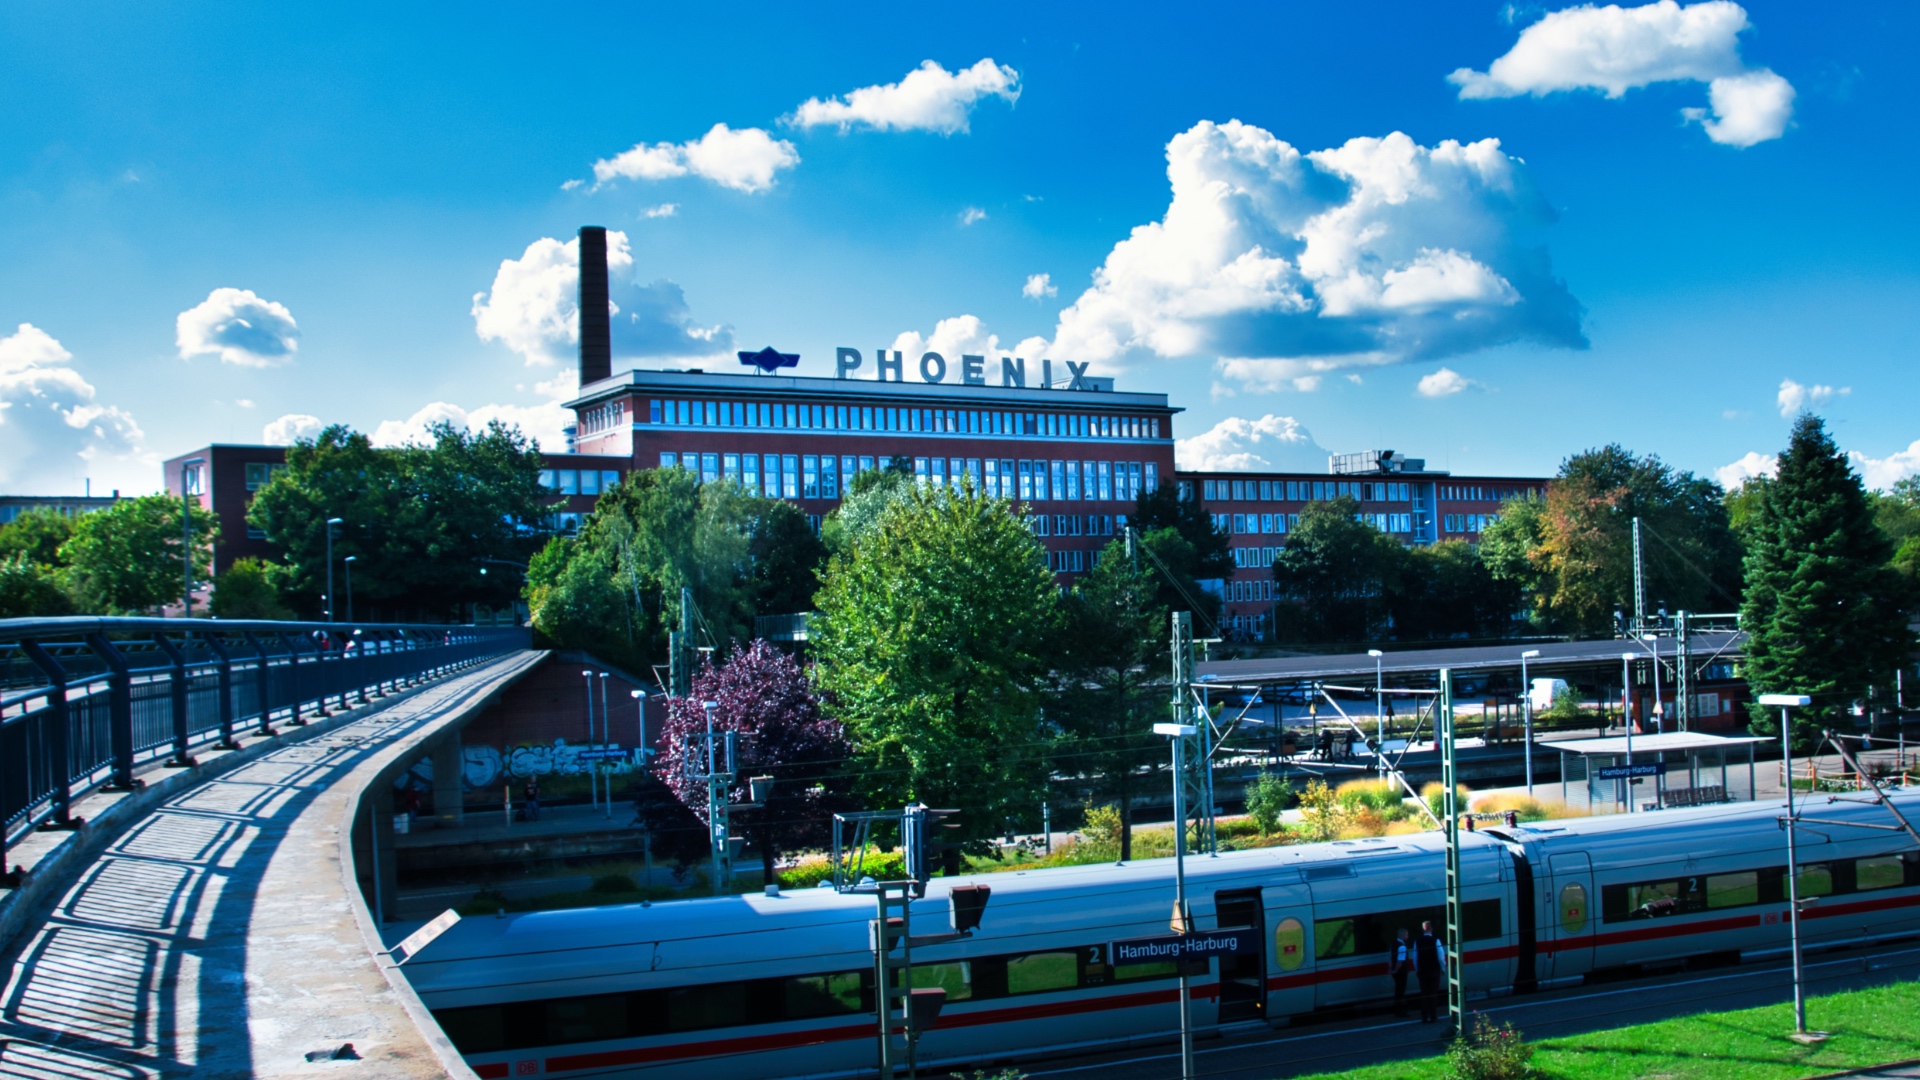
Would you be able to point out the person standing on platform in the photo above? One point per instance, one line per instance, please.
(1430, 964)
(1400, 965)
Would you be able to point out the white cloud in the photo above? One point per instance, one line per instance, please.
(1444, 383)
(543, 422)
(533, 308)
(290, 429)
(1287, 266)
(1751, 465)
(1039, 287)
(1882, 473)
(1793, 397)
(243, 403)
(569, 185)
(966, 335)
(746, 160)
(239, 328)
(1613, 49)
(52, 433)
(970, 215)
(1241, 445)
(665, 209)
(929, 98)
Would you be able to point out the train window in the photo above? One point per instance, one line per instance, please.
(1369, 934)
(956, 979)
(1733, 890)
(1331, 938)
(476, 1029)
(1883, 872)
(1158, 969)
(586, 1019)
(1573, 908)
(811, 996)
(1038, 972)
(1816, 880)
(1289, 944)
(693, 1008)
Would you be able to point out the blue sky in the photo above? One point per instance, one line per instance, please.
(214, 217)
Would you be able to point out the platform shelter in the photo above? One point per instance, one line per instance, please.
(1655, 772)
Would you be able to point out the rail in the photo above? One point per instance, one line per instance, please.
(86, 701)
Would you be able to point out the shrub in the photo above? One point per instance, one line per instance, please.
(30, 590)
(247, 591)
(1102, 827)
(1321, 816)
(1435, 795)
(1529, 809)
(1383, 797)
(1566, 706)
(1490, 1052)
(1267, 796)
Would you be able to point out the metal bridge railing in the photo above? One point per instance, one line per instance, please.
(85, 701)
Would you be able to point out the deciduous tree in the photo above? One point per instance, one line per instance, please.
(128, 558)
(1335, 575)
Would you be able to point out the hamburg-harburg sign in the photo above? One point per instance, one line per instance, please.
(1621, 772)
(1194, 946)
(973, 369)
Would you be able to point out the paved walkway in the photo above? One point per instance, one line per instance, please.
(216, 937)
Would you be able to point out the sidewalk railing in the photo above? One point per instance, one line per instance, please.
(86, 701)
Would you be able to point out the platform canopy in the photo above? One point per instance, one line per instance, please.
(1672, 742)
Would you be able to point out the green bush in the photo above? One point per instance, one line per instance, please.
(1490, 1052)
(1435, 794)
(1383, 797)
(1267, 797)
(1102, 828)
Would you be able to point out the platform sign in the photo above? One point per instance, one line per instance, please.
(1187, 949)
(424, 936)
(608, 754)
(1621, 772)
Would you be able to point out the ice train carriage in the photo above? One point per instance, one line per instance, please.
(760, 986)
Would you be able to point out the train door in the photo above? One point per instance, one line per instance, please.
(1573, 912)
(1243, 979)
(1288, 917)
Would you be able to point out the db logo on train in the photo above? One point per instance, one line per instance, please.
(526, 1068)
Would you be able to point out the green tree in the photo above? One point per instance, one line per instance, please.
(1184, 541)
(422, 521)
(127, 558)
(786, 557)
(36, 535)
(1268, 796)
(1507, 547)
(868, 495)
(29, 590)
(1824, 613)
(246, 590)
(1336, 575)
(1113, 655)
(933, 646)
(1447, 590)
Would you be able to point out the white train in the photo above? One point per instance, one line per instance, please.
(761, 986)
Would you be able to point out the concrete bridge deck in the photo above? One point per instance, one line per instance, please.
(218, 929)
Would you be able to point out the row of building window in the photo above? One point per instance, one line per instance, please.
(762, 414)
(1468, 523)
(579, 481)
(1073, 524)
(1043, 481)
(1279, 524)
(1480, 493)
(605, 417)
(1303, 490)
(259, 474)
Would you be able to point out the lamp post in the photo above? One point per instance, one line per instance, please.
(1659, 713)
(1526, 707)
(1178, 734)
(1379, 717)
(606, 734)
(188, 469)
(1785, 702)
(1626, 707)
(593, 787)
(348, 564)
(331, 522)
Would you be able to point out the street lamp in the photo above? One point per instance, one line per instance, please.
(348, 563)
(1178, 734)
(189, 469)
(1785, 702)
(1659, 713)
(1626, 713)
(1526, 706)
(640, 715)
(1379, 717)
(331, 522)
(606, 732)
(593, 786)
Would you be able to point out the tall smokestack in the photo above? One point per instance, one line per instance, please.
(596, 326)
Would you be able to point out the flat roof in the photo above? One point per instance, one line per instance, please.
(1616, 746)
(776, 386)
(1474, 658)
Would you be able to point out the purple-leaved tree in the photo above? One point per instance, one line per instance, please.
(765, 697)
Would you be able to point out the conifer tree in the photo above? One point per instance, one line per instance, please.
(1823, 612)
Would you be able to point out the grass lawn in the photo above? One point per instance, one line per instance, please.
(1869, 1027)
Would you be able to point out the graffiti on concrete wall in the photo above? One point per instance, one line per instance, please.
(485, 766)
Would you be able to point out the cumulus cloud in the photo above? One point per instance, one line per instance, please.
(239, 328)
(1039, 287)
(533, 308)
(1444, 383)
(930, 98)
(966, 335)
(1287, 266)
(746, 160)
(1613, 49)
(970, 215)
(1882, 473)
(1749, 466)
(290, 429)
(543, 422)
(665, 209)
(1793, 397)
(1237, 444)
(52, 431)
